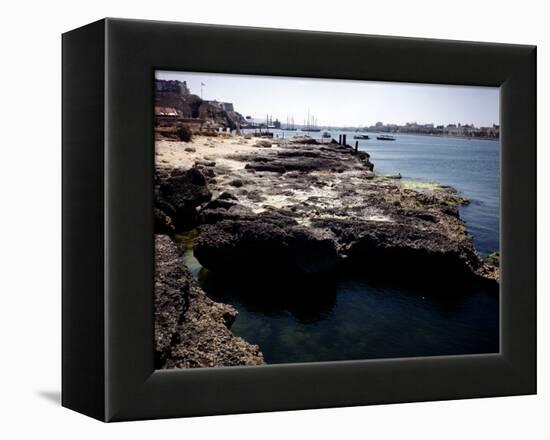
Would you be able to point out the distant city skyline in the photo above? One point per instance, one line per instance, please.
(345, 102)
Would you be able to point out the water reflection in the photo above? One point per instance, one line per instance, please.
(308, 299)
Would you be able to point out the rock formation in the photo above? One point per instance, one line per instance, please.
(266, 242)
(310, 208)
(297, 212)
(179, 194)
(191, 330)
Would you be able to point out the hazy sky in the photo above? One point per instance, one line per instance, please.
(346, 103)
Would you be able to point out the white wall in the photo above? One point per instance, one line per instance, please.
(30, 221)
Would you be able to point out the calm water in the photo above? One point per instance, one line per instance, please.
(353, 318)
(470, 166)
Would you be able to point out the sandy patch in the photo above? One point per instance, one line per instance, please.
(172, 154)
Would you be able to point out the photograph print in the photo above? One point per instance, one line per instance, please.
(319, 220)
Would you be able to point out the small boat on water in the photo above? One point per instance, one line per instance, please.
(326, 134)
(385, 137)
(361, 136)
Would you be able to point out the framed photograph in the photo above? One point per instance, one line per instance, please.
(263, 219)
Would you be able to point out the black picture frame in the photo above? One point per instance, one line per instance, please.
(108, 160)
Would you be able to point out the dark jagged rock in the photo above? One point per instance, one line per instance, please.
(299, 153)
(163, 223)
(398, 234)
(304, 139)
(205, 163)
(312, 251)
(171, 294)
(297, 163)
(364, 157)
(423, 215)
(209, 173)
(227, 196)
(221, 209)
(191, 330)
(219, 203)
(305, 158)
(262, 166)
(263, 143)
(270, 242)
(404, 248)
(451, 210)
(184, 192)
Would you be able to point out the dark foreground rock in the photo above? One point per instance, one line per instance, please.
(402, 235)
(178, 196)
(405, 249)
(268, 242)
(307, 158)
(191, 330)
(163, 223)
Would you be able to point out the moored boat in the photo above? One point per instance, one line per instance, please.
(311, 124)
(385, 137)
(290, 124)
(361, 136)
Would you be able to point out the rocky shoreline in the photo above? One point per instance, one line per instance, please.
(191, 330)
(293, 208)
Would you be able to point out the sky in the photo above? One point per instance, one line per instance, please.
(345, 102)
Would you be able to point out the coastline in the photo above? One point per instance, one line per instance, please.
(480, 138)
(374, 133)
(315, 207)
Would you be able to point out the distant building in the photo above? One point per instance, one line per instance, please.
(493, 131)
(227, 106)
(172, 86)
(166, 111)
(166, 115)
(462, 130)
(454, 130)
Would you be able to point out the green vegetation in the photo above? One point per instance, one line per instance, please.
(493, 259)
